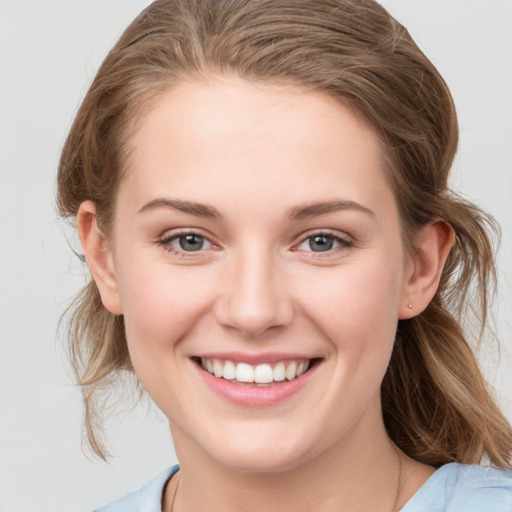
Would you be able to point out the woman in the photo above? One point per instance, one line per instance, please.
(260, 189)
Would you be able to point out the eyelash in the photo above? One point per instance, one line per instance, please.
(343, 243)
(166, 243)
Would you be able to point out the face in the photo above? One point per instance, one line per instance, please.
(260, 270)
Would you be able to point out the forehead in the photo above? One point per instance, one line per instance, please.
(228, 136)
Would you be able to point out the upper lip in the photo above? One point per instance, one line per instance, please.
(254, 359)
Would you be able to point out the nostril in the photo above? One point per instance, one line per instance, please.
(252, 319)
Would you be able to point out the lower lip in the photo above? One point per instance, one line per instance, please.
(255, 396)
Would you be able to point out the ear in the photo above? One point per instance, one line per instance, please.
(99, 257)
(432, 244)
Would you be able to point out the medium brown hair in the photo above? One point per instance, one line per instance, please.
(436, 404)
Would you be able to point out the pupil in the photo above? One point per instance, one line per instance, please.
(191, 242)
(321, 243)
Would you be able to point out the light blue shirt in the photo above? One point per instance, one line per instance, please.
(452, 488)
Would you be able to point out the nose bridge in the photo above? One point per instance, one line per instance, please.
(255, 297)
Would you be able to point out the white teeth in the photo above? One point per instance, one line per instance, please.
(301, 369)
(260, 374)
(244, 372)
(291, 371)
(263, 374)
(218, 370)
(279, 372)
(229, 370)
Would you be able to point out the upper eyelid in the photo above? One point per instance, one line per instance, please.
(345, 237)
(345, 242)
(177, 232)
(166, 242)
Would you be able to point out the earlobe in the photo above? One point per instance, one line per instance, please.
(99, 257)
(432, 245)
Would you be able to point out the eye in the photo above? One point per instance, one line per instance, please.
(186, 243)
(323, 242)
(191, 242)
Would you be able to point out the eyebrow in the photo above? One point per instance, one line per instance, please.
(307, 211)
(190, 207)
(296, 213)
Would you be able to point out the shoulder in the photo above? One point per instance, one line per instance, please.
(464, 488)
(479, 488)
(145, 499)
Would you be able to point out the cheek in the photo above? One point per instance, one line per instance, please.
(357, 306)
(160, 308)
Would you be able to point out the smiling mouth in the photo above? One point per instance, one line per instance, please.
(259, 375)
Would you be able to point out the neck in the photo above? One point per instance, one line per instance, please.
(360, 473)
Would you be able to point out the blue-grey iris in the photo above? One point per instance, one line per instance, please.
(191, 242)
(321, 243)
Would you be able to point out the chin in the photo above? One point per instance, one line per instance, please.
(267, 455)
(260, 464)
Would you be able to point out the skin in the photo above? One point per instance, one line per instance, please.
(257, 154)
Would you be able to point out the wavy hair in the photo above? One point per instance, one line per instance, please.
(436, 405)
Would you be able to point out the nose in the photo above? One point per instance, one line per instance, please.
(254, 297)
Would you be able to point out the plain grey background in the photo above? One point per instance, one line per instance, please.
(49, 52)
